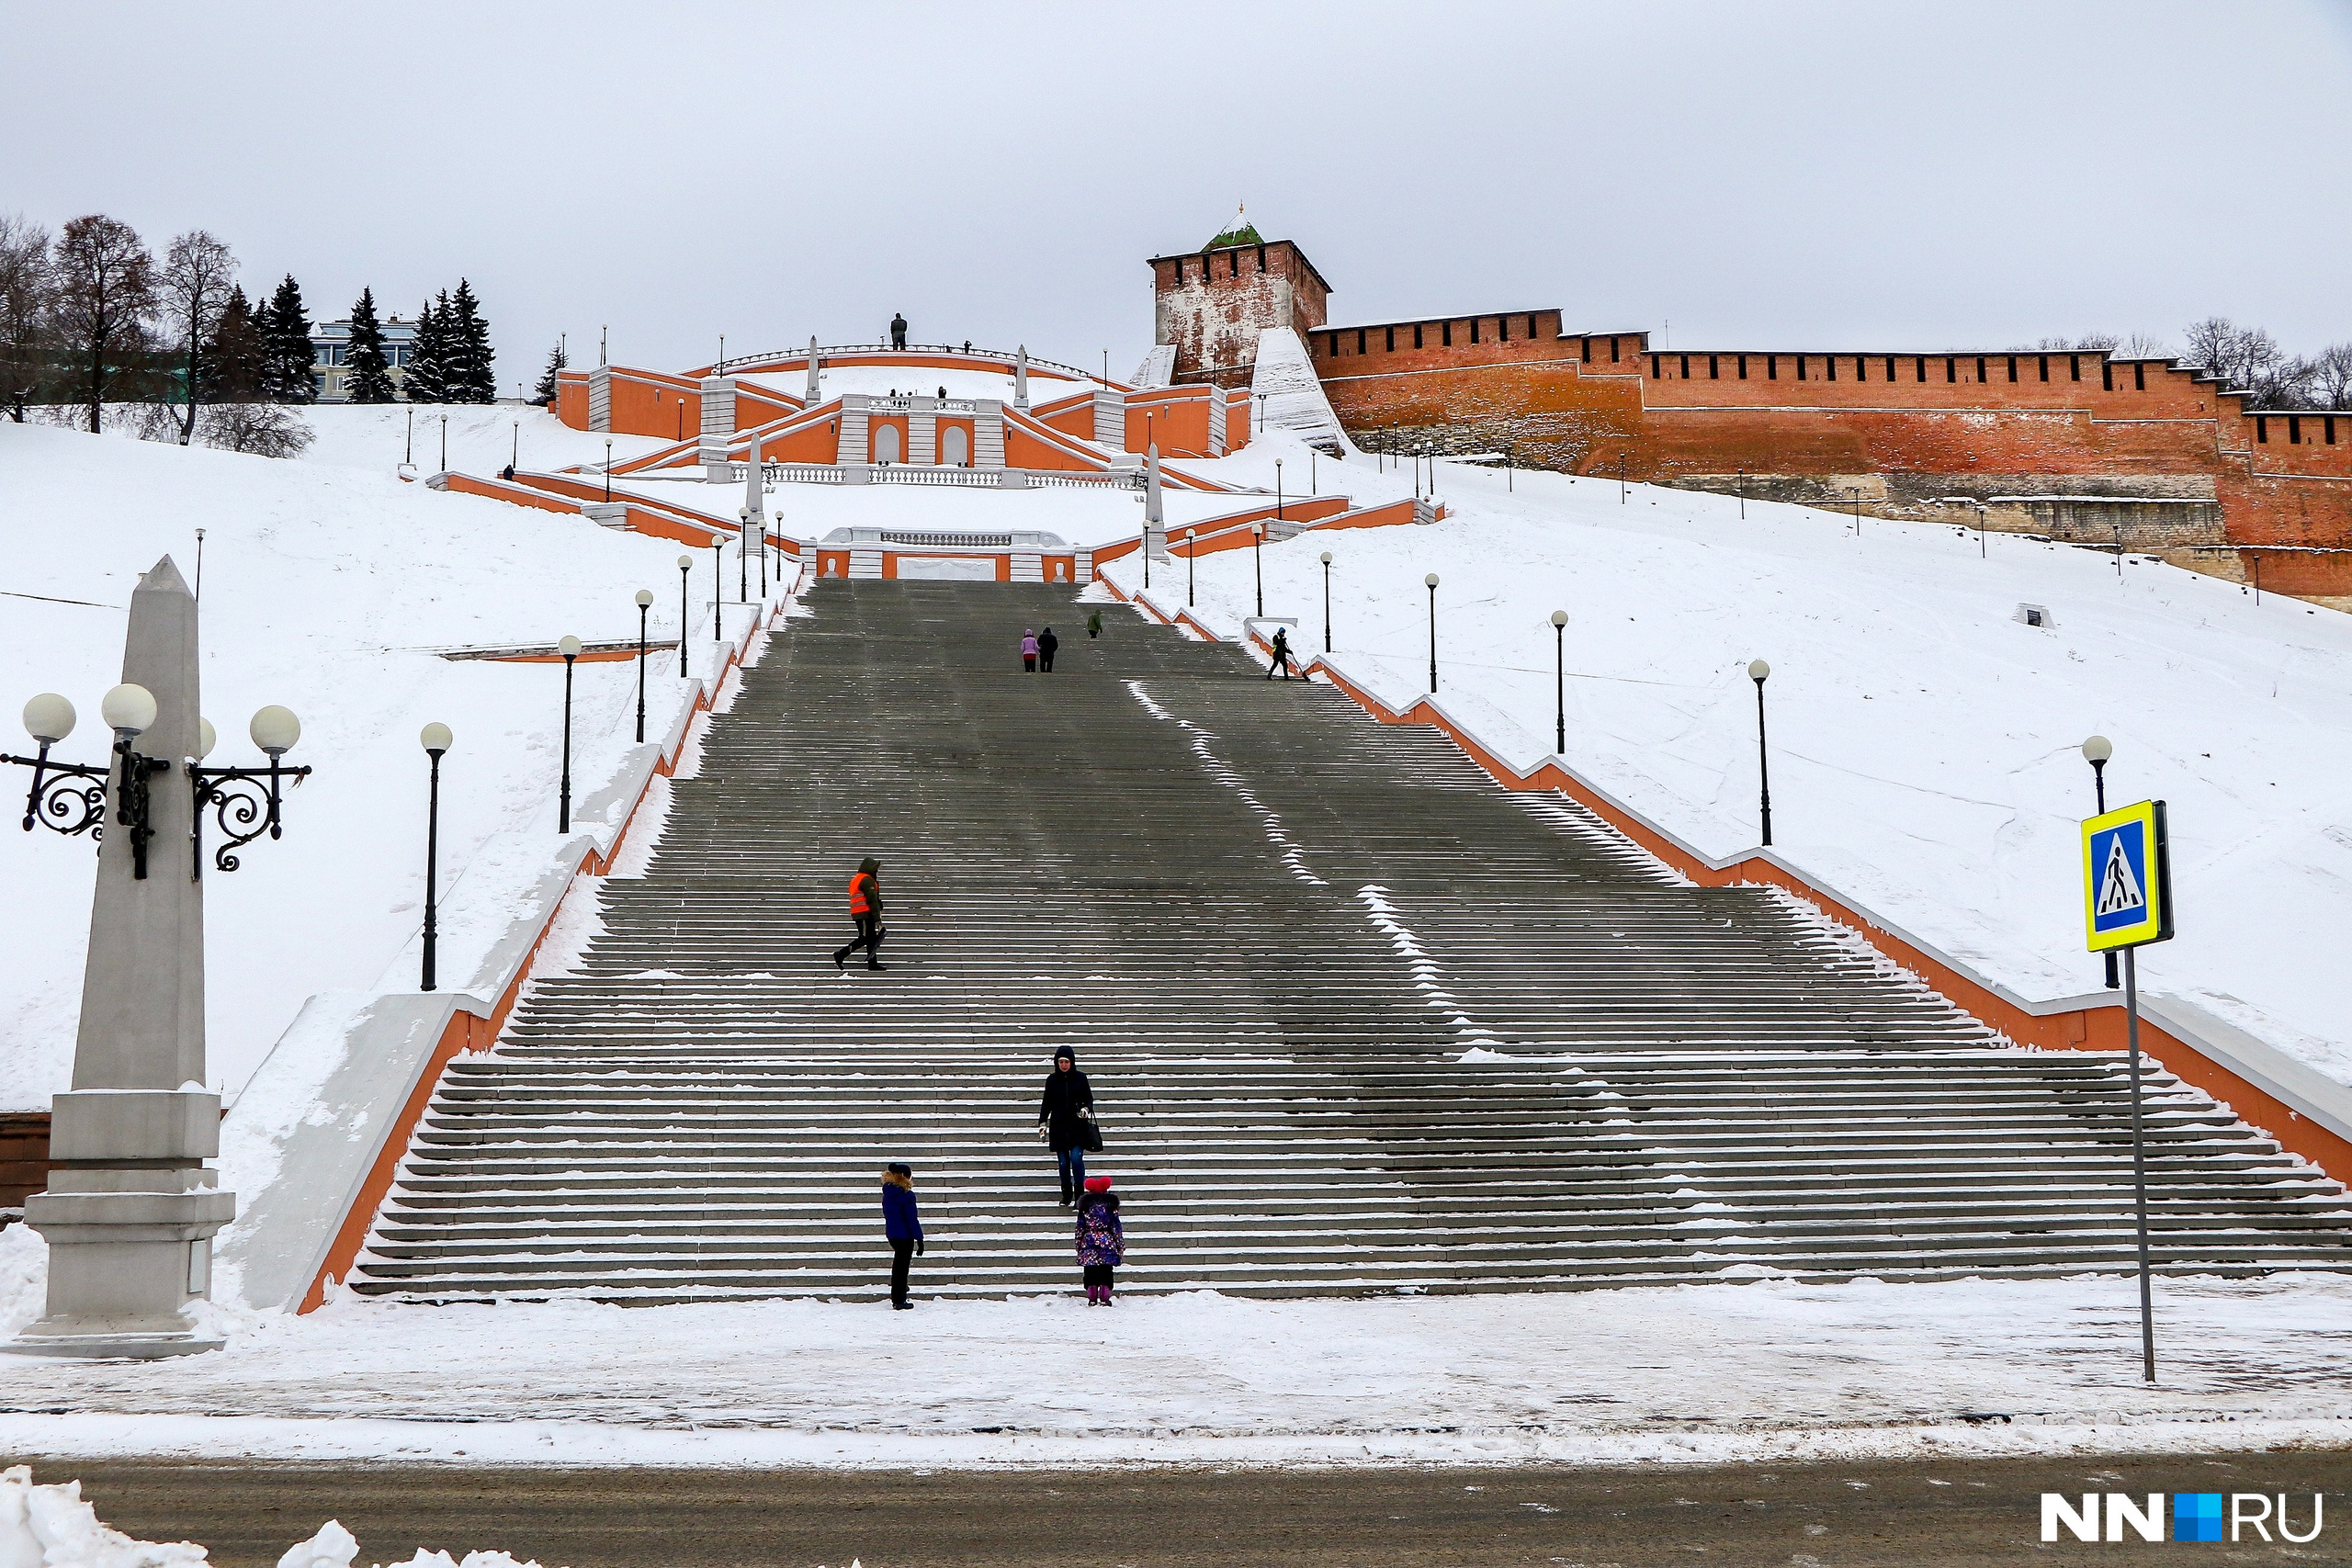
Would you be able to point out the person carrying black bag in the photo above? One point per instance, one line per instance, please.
(1065, 1121)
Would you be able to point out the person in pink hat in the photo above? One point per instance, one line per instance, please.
(1102, 1241)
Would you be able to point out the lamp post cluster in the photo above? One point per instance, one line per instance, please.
(73, 798)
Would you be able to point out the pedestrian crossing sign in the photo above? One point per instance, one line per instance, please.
(2127, 877)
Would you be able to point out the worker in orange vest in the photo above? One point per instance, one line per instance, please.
(865, 911)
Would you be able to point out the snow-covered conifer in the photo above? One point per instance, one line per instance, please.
(366, 372)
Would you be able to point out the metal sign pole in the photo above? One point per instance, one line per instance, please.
(2139, 1164)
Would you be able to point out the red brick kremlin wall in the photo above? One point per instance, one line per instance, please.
(2073, 444)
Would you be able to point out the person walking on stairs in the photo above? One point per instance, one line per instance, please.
(902, 1226)
(866, 913)
(1094, 623)
(1065, 1121)
(1282, 659)
(1028, 650)
(1047, 643)
(1102, 1240)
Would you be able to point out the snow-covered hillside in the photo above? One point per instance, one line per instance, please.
(325, 588)
(1924, 737)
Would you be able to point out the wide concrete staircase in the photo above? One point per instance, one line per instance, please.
(1357, 1020)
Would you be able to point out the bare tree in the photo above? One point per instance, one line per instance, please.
(198, 274)
(25, 283)
(263, 430)
(105, 297)
(2331, 380)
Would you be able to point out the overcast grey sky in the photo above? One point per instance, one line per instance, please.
(1817, 174)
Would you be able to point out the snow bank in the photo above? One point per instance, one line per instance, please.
(1699, 1374)
(1294, 400)
(330, 590)
(1924, 737)
(52, 1526)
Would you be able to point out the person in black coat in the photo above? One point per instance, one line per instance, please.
(1064, 1117)
(1047, 643)
(897, 331)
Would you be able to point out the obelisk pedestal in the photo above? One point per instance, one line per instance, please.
(131, 1209)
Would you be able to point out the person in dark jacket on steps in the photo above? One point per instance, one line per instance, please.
(1047, 643)
(902, 1226)
(1064, 1114)
(866, 913)
(1102, 1240)
(1283, 661)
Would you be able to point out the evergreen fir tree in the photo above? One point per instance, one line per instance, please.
(427, 377)
(236, 359)
(544, 393)
(469, 377)
(286, 354)
(367, 373)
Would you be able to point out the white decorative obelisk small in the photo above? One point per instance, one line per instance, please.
(808, 399)
(1021, 377)
(130, 1209)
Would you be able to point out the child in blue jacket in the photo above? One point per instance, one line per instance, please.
(902, 1226)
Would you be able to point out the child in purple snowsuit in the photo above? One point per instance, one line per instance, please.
(1102, 1241)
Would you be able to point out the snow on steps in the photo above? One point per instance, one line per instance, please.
(1534, 1058)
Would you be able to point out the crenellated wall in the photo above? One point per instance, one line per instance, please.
(2077, 444)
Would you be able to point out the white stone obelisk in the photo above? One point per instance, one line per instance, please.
(130, 1209)
(1155, 530)
(808, 399)
(1021, 377)
(752, 540)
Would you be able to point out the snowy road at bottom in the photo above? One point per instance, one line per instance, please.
(1767, 1371)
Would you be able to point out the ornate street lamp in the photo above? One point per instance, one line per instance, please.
(685, 570)
(244, 802)
(717, 590)
(570, 648)
(435, 739)
(644, 604)
(1758, 671)
(1191, 550)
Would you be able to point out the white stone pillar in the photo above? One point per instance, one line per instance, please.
(1021, 377)
(809, 398)
(718, 428)
(130, 1209)
(1151, 512)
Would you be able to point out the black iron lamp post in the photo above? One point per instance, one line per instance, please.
(742, 565)
(2096, 752)
(718, 592)
(1278, 492)
(1430, 582)
(1327, 601)
(1758, 671)
(609, 471)
(685, 570)
(644, 607)
(1559, 682)
(570, 648)
(71, 799)
(244, 802)
(1192, 549)
(435, 738)
(1257, 562)
(1981, 553)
